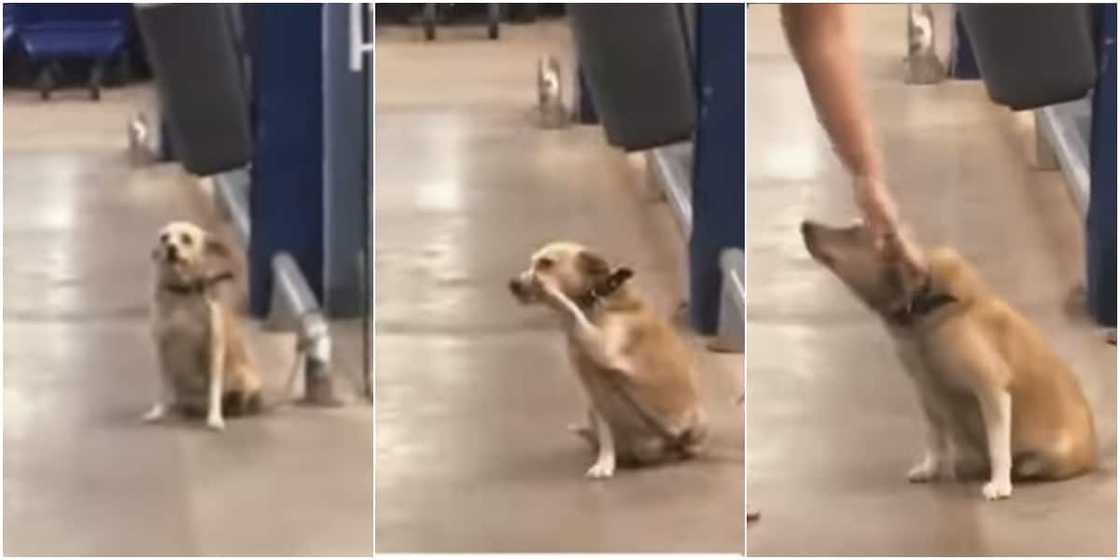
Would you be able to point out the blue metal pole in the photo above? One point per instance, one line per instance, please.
(286, 197)
(1101, 222)
(346, 153)
(718, 220)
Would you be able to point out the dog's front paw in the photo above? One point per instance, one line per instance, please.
(997, 489)
(601, 469)
(216, 424)
(155, 414)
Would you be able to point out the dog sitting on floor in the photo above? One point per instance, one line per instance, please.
(205, 364)
(636, 371)
(997, 399)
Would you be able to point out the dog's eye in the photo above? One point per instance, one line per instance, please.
(163, 237)
(186, 239)
(544, 263)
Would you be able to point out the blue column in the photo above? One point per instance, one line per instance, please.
(718, 220)
(286, 197)
(1101, 222)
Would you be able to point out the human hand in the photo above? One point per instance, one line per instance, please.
(878, 209)
(881, 217)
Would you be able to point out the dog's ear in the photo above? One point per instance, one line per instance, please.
(615, 279)
(216, 247)
(621, 275)
(593, 265)
(155, 253)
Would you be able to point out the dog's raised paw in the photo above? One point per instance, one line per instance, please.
(997, 489)
(216, 424)
(600, 470)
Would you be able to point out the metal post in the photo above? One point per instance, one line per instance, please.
(1101, 221)
(718, 191)
(345, 144)
(286, 199)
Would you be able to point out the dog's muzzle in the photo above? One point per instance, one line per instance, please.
(809, 236)
(522, 288)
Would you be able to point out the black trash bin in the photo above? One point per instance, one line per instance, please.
(197, 68)
(638, 66)
(1032, 55)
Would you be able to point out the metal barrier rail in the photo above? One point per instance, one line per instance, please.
(293, 306)
(1062, 141)
(670, 169)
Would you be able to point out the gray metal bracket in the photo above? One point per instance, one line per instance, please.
(293, 308)
(730, 336)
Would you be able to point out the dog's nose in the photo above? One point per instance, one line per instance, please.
(172, 252)
(515, 286)
(806, 229)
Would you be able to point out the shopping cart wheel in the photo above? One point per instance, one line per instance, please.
(96, 77)
(44, 82)
(495, 16)
(429, 21)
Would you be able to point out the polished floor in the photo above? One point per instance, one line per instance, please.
(82, 474)
(474, 391)
(832, 422)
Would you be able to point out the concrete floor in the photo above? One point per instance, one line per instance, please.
(474, 392)
(82, 475)
(833, 424)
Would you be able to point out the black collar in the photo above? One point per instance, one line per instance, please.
(922, 303)
(604, 289)
(199, 285)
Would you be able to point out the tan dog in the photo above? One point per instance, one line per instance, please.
(642, 388)
(996, 397)
(204, 361)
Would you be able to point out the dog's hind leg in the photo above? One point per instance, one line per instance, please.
(166, 397)
(586, 432)
(162, 403)
(938, 459)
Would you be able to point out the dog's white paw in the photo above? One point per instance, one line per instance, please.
(216, 424)
(601, 469)
(582, 430)
(997, 489)
(155, 414)
(926, 470)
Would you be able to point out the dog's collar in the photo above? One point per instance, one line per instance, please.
(922, 303)
(197, 286)
(604, 289)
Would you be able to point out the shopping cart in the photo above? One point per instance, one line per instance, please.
(429, 18)
(50, 34)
